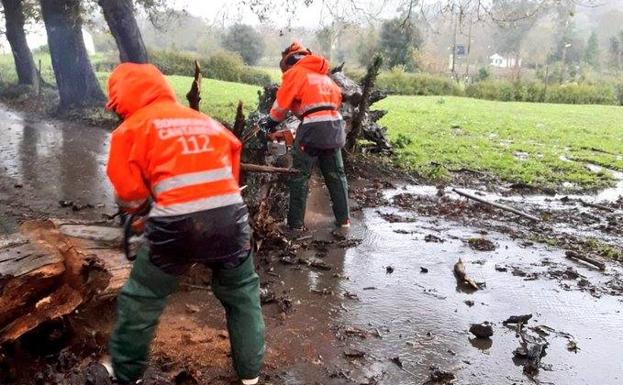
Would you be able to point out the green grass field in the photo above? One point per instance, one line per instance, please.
(545, 144)
(519, 142)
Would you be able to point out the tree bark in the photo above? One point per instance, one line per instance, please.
(24, 63)
(119, 15)
(368, 85)
(76, 81)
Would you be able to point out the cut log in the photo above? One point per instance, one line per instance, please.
(52, 268)
(584, 258)
(43, 277)
(497, 205)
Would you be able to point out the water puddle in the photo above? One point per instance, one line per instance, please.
(423, 318)
(50, 162)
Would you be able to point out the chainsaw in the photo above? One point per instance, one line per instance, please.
(133, 226)
(279, 143)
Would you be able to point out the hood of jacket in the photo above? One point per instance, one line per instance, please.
(314, 63)
(134, 86)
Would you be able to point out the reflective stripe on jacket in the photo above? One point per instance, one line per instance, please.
(183, 160)
(308, 91)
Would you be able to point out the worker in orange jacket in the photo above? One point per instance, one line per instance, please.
(183, 167)
(309, 93)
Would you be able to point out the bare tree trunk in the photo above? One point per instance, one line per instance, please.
(119, 15)
(24, 63)
(76, 81)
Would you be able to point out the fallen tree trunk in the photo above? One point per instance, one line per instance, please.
(497, 205)
(43, 277)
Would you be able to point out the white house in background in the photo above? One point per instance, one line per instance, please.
(499, 61)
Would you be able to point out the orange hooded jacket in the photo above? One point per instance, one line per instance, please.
(183, 160)
(308, 91)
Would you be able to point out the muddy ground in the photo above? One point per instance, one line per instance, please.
(382, 307)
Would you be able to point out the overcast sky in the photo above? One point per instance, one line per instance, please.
(313, 16)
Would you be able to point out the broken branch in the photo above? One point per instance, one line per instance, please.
(575, 256)
(194, 95)
(267, 169)
(497, 205)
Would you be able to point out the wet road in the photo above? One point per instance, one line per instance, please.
(420, 318)
(47, 161)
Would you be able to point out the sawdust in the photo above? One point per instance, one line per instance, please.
(182, 339)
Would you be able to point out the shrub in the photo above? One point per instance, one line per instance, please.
(224, 65)
(574, 93)
(398, 81)
(174, 63)
(571, 93)
(483, 74)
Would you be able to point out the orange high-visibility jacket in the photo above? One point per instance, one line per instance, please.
(308, 91)
(184, 160)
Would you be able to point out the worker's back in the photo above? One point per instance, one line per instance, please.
(309, 93)
(185, 161)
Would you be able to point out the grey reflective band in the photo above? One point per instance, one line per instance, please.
(317, 119)
(196, 205)
(192, 179)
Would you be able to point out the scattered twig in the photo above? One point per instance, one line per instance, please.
(576, 256)
(461, 276)
(596, 206)
(497, 205)
(267, 169)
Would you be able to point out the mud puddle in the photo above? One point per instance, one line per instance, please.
(579, 215)
(393, 299)
(424, 319)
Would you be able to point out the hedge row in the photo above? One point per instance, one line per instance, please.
(222, 66)
(536, 92)
(400, 82)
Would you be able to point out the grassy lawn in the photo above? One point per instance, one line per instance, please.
(520, 142)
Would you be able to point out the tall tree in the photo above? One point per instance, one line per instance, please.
(398, 41)
(246, 41)
(119, 15)
(15, 21)
(76, 81)
(591, 52)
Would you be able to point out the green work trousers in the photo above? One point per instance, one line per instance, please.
(144, 297)
(332, 168)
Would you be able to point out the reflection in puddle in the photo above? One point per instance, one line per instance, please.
(55, 162)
